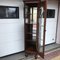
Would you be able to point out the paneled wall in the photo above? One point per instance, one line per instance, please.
(51, 23)
(12, 30)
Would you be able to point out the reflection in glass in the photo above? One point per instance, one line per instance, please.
(41, 30)
(9, 12)
(50, 13)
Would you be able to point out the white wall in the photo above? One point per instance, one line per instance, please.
(12, 30)
(51, 22)
(58, 28)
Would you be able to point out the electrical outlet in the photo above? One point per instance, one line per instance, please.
(53, 39)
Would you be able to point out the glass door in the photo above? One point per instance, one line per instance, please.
(42, 28)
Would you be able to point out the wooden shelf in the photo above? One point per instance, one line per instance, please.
(31, 49)
(29, 33)
(31, 52)
(33, 41)
(28, 23)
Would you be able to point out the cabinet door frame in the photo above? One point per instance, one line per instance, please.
(45, 14)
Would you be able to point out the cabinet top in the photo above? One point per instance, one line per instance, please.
(33, 0)
(30, 0)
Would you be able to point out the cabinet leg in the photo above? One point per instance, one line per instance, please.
(26, 55)
(36, 56)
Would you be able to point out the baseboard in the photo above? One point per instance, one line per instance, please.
(12, 54)
(50, 44)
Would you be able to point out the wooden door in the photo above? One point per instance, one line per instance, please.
(42, 28)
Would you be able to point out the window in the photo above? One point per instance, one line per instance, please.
(50, 13)
(9, 12)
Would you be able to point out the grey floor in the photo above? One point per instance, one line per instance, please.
(52, 47)
(13, 57)
(49, 47)
(20, 56)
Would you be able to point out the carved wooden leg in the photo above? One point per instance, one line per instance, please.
(26, 55)
(36, 56)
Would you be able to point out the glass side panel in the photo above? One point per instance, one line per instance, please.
(34, 22)
(26, 12)
(31, 18)
(31, 29)
(35, 15)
